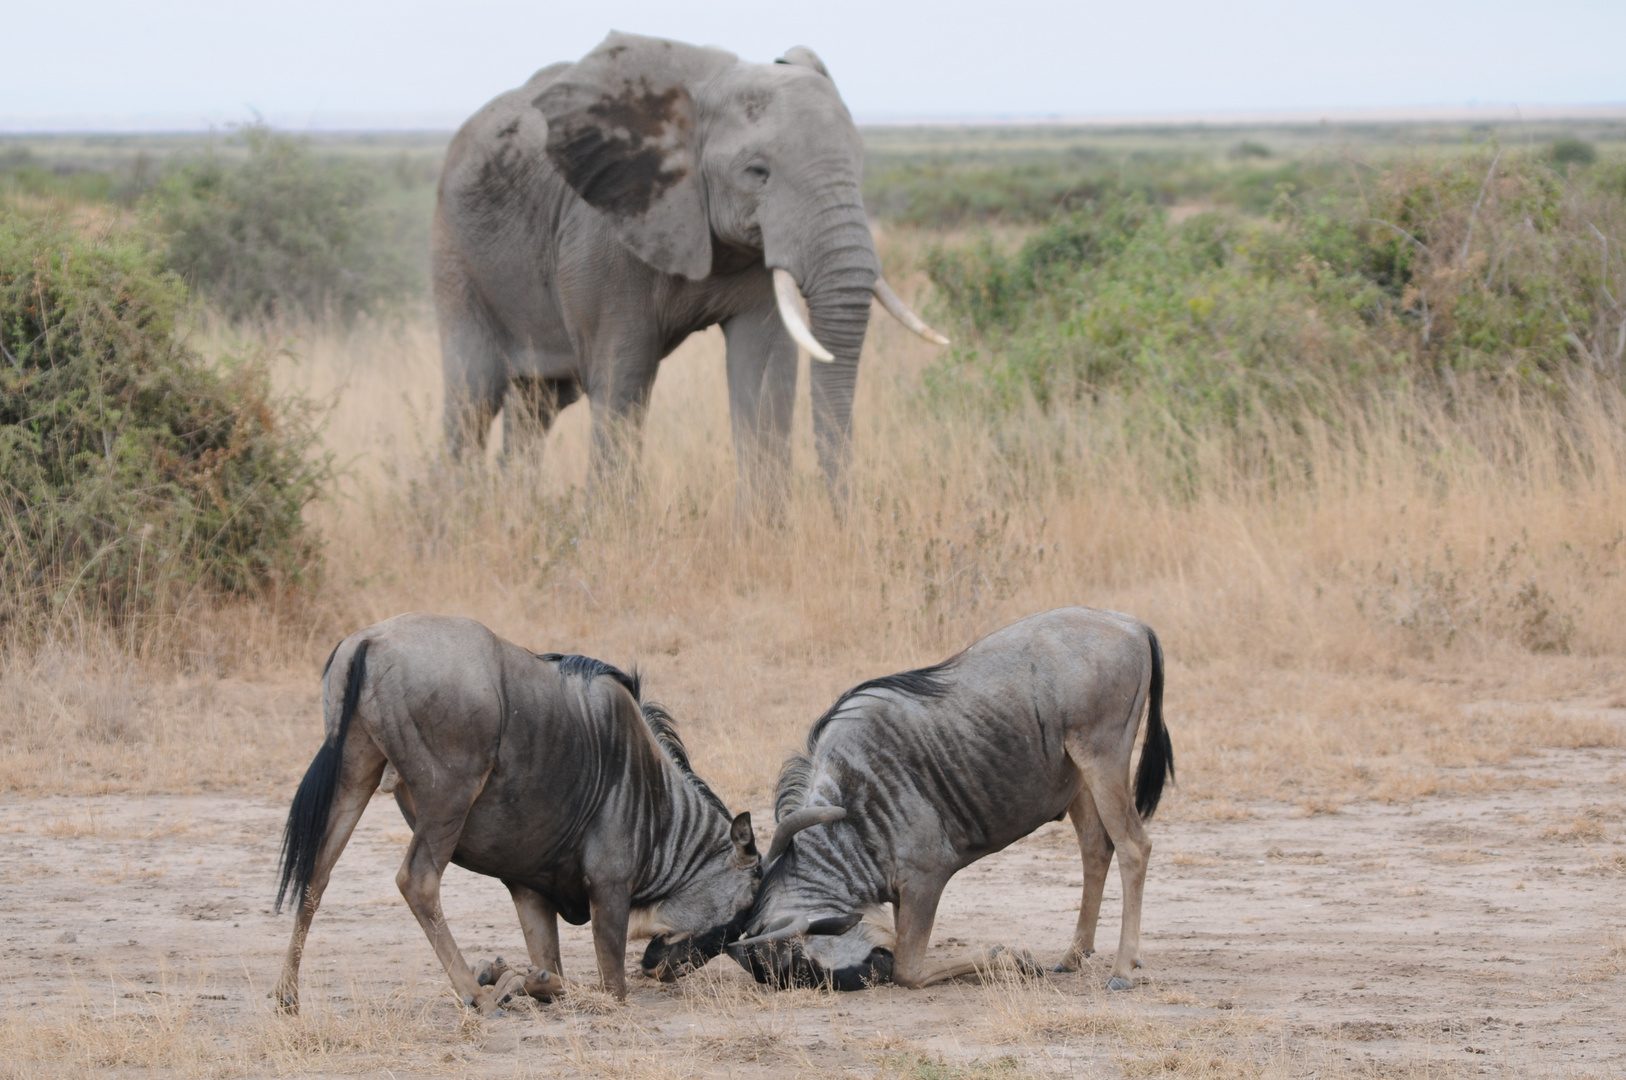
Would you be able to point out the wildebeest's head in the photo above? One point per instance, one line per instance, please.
(717, 899)
(843, 952)
(812, 939)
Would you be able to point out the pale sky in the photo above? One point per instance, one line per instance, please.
(183, 64)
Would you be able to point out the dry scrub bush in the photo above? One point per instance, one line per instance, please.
(138, 481)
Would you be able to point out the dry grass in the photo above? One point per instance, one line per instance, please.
(1325, 639)
(174, 1028)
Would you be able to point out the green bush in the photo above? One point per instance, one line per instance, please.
(1568, 150)
(946, 192)
(133, 473)
(284, 233)
(1487, 267)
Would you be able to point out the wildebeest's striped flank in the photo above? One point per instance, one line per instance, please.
(544, 771)
(918, 774)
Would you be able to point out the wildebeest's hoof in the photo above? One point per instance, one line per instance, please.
(543, 985)
(485, 1002)
(491, 972)
(1118, 982)
(510, 985)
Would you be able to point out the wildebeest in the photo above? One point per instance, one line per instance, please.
(543, 771)
(936, 768)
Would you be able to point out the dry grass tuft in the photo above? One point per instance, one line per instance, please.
(1584, 828)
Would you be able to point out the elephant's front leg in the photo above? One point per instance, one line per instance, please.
(618, 388)
(761, 399)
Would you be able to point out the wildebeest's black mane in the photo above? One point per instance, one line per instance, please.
(589, 668)
(659, 721)
(664, 728)
(923, 684)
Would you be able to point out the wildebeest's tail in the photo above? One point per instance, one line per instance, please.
(302, 837)
(1156, 754)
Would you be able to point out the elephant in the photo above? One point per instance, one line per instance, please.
(591, 220)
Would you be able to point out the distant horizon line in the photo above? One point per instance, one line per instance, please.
(363, 122)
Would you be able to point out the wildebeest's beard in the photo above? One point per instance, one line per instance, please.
(841, 962)
(671, 956)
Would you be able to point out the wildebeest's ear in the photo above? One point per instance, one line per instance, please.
(745, 840)
(621, 131)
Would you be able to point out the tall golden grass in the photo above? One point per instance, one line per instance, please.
(1310, 613)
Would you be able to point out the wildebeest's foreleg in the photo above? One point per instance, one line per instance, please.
(610, 905)
(434, 838)
(540, 924)
(363, 764)
(1096, 848)
(916, 912)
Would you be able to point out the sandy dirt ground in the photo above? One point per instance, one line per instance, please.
(1463, 935)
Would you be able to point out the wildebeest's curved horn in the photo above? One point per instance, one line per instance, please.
(794, 928)
(795, 822)
(835, 925)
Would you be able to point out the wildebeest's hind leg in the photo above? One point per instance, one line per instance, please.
(435, 834)
(540, 925)
(362, 765)
(1096, 848)
(1108, 784)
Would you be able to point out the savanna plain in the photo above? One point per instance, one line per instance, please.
(1337, 411)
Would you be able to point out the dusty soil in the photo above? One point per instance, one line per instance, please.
(1469, 934)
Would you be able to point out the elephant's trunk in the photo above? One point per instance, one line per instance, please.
(839, 283)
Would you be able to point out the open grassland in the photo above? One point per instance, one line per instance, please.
(1428, 629)
(1441, 594)
(1397, 694)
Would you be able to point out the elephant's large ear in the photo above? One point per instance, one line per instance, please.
(621, 131)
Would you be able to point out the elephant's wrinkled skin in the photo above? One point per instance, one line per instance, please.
(592, 219)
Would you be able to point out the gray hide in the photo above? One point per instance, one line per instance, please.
(592, 219)
(937, 768)
(543, 771)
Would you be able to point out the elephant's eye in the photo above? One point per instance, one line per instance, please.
(759, 173)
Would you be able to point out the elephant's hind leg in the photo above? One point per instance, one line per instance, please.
(474, 366)
(530, 409)
(359, 776)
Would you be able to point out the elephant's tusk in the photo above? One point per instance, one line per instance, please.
(890, 301)
(790, 299)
